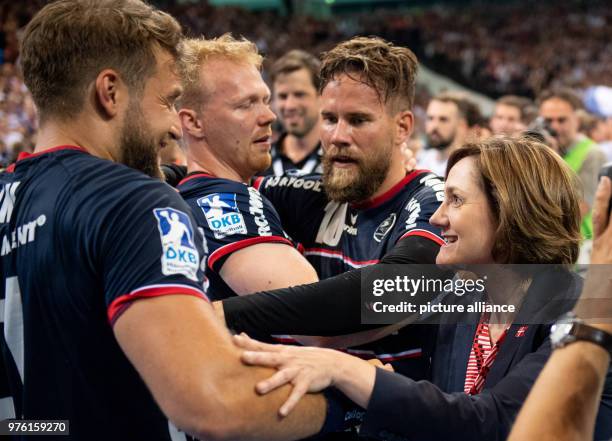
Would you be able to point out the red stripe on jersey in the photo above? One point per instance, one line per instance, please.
(26, 155)
(230, 248)
(285, 339)
(122, 302)
(195, 176)
(424, 233)
(333, 254)
(257, 182)
(378, 200)
(385, 358)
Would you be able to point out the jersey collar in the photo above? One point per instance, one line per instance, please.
(194, 175)
(389, 194)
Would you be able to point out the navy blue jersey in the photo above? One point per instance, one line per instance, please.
(282, 165)
(80, 239)
(339, 237)
(232, 216)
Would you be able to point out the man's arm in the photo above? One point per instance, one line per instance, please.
(565, 413)
(330, 307)
(266, 266)
(193, 370)
(587, 174)
(569, 412)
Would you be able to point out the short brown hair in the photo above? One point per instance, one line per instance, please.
(294, 60)
(467, 108)
(196, 51)
(69, 42)
(390, 70)
(533, 196)
(521, 103)
(563, 93)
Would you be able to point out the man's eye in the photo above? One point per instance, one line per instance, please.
(330, 119)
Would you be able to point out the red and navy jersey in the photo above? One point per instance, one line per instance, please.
(339, 237)
(232, 216)
(80, 239)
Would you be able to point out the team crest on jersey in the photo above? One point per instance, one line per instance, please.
(180, 255)
(222, 214)
(384, 227)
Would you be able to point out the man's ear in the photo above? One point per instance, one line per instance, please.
(405, 124)
(110, 92)
(191, 123)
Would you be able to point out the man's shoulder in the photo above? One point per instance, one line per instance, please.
(423, 184)
(200, 184)
(81, 174)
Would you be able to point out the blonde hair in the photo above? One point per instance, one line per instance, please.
(195, 52)
(533, 196)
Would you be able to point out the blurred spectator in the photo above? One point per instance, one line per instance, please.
(560, 110)
(510, 115)
(295, 84)
(450, 117)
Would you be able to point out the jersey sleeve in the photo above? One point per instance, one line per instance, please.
(234, 218)
(414, 217)
(139, 239)
(300, 202)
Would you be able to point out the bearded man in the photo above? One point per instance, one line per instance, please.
(364, 203)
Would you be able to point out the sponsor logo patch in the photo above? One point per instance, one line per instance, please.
(384, 227)
(222, 214)
(180, 255)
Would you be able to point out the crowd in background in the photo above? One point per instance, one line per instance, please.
(513, 48)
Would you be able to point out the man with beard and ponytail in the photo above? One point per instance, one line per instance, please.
(449, 119)
(106, 325)
(365, 204)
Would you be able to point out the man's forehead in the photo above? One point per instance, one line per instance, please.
(349, 91)
(506, 108)
(447, 108)
(556, 106)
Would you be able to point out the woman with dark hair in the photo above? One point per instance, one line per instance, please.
(507, 201)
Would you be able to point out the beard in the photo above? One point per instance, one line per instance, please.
(439, 143)
(309, 122)
(259, 162)
(346, 185)
(139, 149)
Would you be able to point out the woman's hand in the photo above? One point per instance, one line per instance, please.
(308, 370)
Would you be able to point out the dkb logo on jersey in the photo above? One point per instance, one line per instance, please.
(180, 255)
(222, 214)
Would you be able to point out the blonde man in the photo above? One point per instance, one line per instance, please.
(226, 119)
